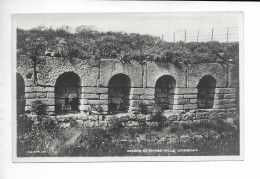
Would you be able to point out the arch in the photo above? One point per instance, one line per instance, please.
(206, 92)
(20, 94)
(164, 91)
(118, 93)
(67, 93)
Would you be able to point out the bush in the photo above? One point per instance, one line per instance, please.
(143, 108)
(36, 136)
(38, 107)
(91, 44)
(157, 116)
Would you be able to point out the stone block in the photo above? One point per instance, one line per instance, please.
(41, 95)
(84, 107)
(50, 108)
(217, 106)
(132, 96)
(89, 96)
(45, 101)
(83, 101)
(50, 95)
(28, 108)
(229, 96)
(231, 105)
(178, 96)
(222, 101)
(134, 103)
(202, 115)
(190, 106)
(225, 90)
(103, 96)
(190, 96)
(94, 90)
(30, 95)
(232, 101)
(181, 101)
(232, 109)
(177, 107)
(39, 89)
(186, 91)
(147, 96)
(192, 101)
(219, 96)
(137, 91)
(98, 102)
(150, 91)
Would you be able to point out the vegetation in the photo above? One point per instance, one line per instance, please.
(87, 43)
(44, 136)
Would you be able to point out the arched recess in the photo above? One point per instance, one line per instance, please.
(20, 94)
(67, 93)
(164, 91)
(118, 93)
(206, 92)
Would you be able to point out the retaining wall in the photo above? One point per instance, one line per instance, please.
(96, 74)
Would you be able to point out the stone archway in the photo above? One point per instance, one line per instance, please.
(67, 93)
(164, 92)
(118, 93)
(206, 92)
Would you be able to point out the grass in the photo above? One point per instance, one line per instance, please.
(45, 138)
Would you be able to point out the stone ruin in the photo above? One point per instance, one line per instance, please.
(110, 86)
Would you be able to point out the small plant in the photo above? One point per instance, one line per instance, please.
(143, 108)
(38, 107)
(116, 125)
(157, 116)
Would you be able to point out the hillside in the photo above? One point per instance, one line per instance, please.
(87, 43)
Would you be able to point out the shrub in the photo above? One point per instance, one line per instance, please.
(38, 107)
(157, 116)
(116, 125)
(38, 135)
(24, 124)
(143, 108)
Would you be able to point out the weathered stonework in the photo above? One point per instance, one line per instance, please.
(95, 76)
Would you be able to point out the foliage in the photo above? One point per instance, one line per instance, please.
(88, 43)
(38, 107)
(44, 136)
(142, 107)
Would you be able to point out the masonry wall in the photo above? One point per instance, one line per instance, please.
(95, 76)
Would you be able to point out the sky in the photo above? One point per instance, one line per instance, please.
(170, 26)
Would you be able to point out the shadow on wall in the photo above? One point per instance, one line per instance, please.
(67, 91)
(206, 92)
(164, 92)
(20, 94)
(118, 93)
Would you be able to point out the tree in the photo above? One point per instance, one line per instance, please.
(35, 46)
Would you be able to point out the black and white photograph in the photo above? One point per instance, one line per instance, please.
(129, 86)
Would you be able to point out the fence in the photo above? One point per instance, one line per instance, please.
(230, 34)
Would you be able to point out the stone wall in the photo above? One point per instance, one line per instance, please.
(95, 76)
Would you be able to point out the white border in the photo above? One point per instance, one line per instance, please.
(249, 168)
